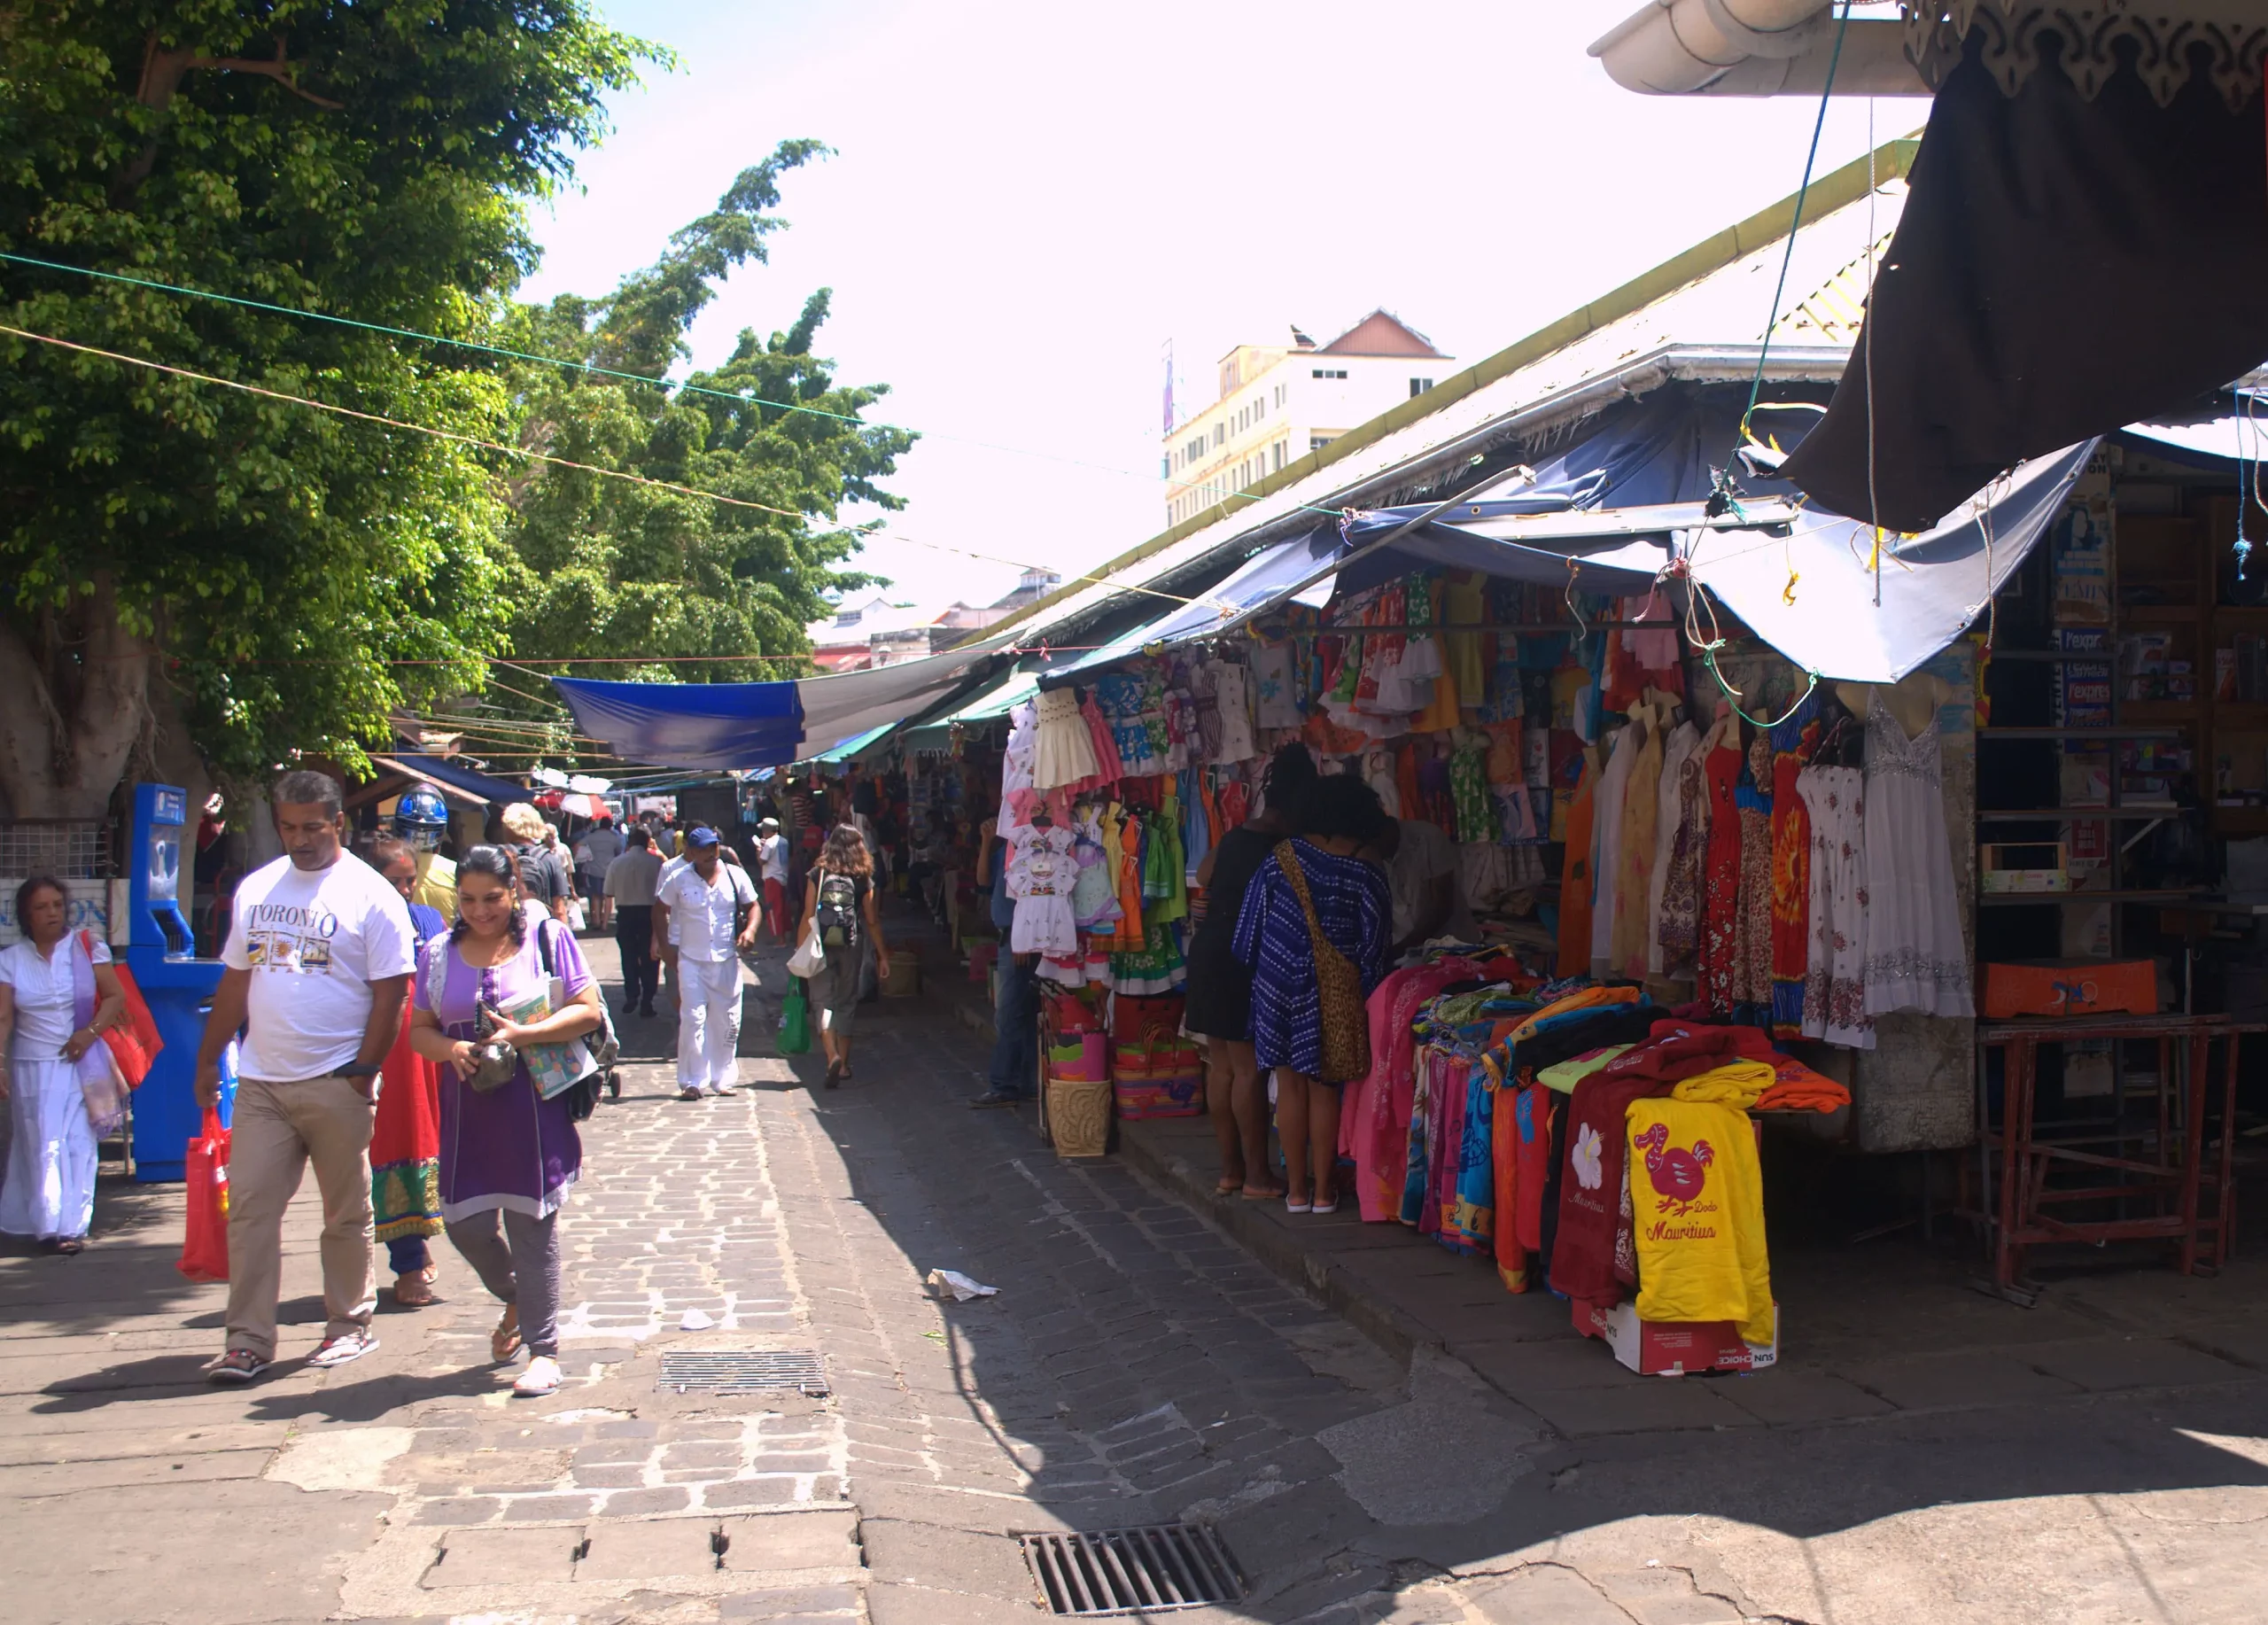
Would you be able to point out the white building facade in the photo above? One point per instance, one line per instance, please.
(1277, 403)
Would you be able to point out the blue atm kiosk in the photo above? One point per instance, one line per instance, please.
(178, 985)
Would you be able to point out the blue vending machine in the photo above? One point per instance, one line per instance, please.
(178, 986)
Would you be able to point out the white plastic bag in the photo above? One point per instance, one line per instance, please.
(810, 958)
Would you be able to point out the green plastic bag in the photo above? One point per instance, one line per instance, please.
(795, 1020)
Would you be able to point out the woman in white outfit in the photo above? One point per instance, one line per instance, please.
(57, 993)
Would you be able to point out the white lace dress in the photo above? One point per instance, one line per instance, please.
(1916, 959)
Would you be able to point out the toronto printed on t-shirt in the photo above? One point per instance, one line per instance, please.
(314, 943)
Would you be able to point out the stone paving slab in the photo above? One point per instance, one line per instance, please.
(1441, 1450)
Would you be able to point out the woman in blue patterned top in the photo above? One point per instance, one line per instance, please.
(1335, 819)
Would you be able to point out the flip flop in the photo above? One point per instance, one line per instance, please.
(504, 1341)
(1262, 1193)
(1228, 1187)
(414, 1290)
(1296, 1207)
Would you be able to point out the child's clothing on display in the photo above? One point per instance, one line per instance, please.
(1041, 877)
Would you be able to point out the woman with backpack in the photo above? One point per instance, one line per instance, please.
(839, 906)
(508, 1154)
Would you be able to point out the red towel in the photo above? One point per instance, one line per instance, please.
(1683, 1049)
(1590, 1185)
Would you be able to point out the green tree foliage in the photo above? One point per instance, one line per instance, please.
(599, 567)
(265, 573)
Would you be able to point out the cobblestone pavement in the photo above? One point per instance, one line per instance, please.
(1136, 1366)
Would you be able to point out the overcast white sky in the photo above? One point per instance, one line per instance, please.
(1029, 200)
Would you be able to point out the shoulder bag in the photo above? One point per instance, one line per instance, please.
(1344, 1054)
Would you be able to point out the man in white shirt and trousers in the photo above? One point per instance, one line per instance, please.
(319, 956)
(714, 912)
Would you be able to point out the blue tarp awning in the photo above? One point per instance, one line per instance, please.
(453, 775)
(727, 726)
(717, 726)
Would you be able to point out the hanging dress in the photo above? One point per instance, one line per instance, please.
(1916, 958)
(1752, 947)
(1065, 751)
(1715, 955)
(1606, 846)
(1793, 739)
(1669, 814)
(1575, 875)
(1835, 991)
(1635, 890)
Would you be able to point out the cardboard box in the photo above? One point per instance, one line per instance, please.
(1675, 1348)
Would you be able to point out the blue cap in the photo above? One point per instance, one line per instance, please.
(701, 835)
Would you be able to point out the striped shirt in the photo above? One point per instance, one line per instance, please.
(1356, 905)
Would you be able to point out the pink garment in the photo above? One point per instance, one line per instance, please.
(1374, 1120)
(1108, 770)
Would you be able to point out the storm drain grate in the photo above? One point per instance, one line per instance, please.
(742, 1371)
(1132, 1571)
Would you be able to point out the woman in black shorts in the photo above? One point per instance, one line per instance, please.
(1219, 1003)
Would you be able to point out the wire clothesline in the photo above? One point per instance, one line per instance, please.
(593, 370)
(864, 532)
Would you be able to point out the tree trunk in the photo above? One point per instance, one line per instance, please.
(76, 706)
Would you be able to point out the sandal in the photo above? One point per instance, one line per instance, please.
(833, 1074)
(1226, 1186)
(67, 1245)
(1321, 1207)
(1262, 1193)
(541, 1378)
(414, 1290)
(1296, 1207)
(504, 1341)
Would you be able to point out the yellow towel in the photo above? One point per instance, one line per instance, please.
(1696, 1203)
(1735, 1083)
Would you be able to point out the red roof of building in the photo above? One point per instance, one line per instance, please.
(1382, 333)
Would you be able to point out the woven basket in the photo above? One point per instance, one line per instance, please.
(1079, 1114)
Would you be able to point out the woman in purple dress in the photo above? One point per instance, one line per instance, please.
(507, 1155)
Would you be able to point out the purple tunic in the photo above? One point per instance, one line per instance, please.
(509, 1148)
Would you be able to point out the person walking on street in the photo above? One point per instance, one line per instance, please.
(509, 1155)
(58, 994)
(421, 818)
(839, 905)
(545, 883)
(714, 910)
(595, 853)
(406, 1133)
(1015, 1001)
(318, 956)
(629, 888)
(772, 865)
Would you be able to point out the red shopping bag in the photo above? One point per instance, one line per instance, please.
(135, 1043)
(204, 1250)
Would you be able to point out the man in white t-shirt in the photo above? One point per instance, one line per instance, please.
(1421, 869)
(319, 957)
(771, 862)
(709, 908)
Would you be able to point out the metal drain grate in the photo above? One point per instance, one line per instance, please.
(1158, 1567)
(742, 1371)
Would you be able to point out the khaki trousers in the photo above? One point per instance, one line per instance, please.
(278, 1130)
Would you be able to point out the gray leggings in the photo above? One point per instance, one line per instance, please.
(520, 1266)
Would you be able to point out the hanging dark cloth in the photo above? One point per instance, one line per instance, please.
(2062, 268)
